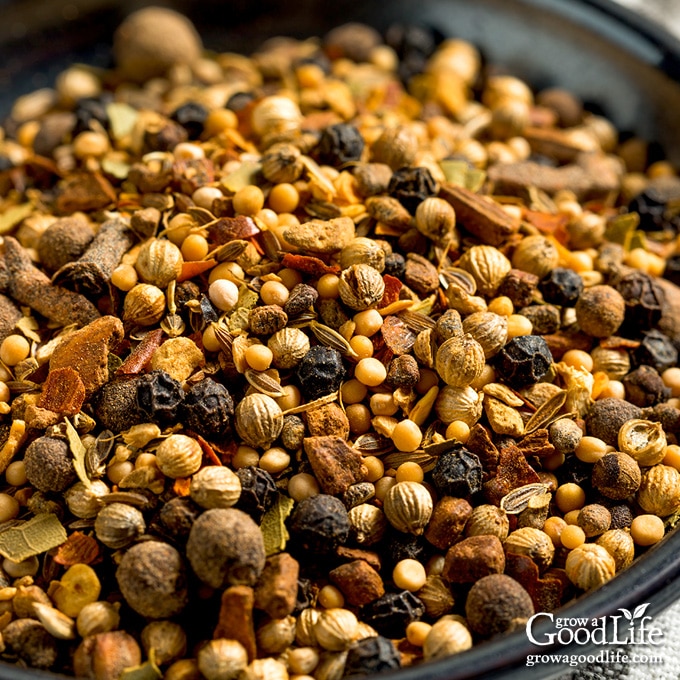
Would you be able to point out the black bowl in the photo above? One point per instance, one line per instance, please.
(619, 63)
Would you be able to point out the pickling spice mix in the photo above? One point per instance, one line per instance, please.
(333, 359)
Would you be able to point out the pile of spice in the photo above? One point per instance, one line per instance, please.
(324, 361)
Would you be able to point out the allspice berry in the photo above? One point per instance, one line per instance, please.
(474, 558)
(594, 519)
(616, 475)
(497, 604)
(226, 548)
(152, 579)
(152, 40)
(600, 311)
(49, 464)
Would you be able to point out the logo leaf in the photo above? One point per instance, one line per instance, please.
(626, 613)
(640, 610)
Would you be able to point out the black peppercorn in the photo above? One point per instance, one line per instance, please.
(339, 144)
(401, 546)
(606, 416)
(159, 397)
(208, 409)
(305, 597)
(413, 45)
(191, 116)
(545, 319)
(644, 300)
(320, 524)
(371, 655)
(622, 517)
(320, 372)
(575, 471)
(301, 298)
(115, 405)
(395, 265)
(651, 206)
(91, 110)
(239, 100)
(49, 464)
(561, 287)
(645, 387)
(656, 350)
(258, 491)
(391, 613)
(176, 518)
(524, 360)
(411, 186)
(457, 473)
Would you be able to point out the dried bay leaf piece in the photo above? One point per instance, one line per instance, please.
(273, 525)
(38, 535)
(79, 453)
(145, 671)
(546, 412)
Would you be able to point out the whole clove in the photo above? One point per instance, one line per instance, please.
(91, 273)
(29, 286)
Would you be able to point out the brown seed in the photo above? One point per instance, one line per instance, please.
(473, 558)
(359, 582)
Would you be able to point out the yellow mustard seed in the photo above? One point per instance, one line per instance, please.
(590, 449)
(672, 456)
(410, 471)
(359, 418)
(259, 357)
(283, 198)
(519, 325)
(569, 497)
(248, 200)
(370, 372)
(14, 348)
(330, 597)
(572, 536)
(194, 247)
(362, 345)
(647, 529)
(328, 287)
(501, 305)
(407, 436)
(303, 485)
(353, 392)
(409, 574)
(368, 322)
(383, 404)
(458, 430)
(274, 293)
(577, 358)
(375, 467)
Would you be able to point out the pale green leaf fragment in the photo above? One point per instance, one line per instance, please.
(12, 216)
(79, 451)
(146, 671)
(620, 228)
(247, 299)
(460, 173)
(239, 320)
(38, 535)
(122, 118)
(119, 169)
(273, 525)
(244, 176)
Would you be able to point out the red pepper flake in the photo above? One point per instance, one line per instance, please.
(208, 450)
(192, 269)
(78, 549)
(616, 342)
(308, 265)
(229, 228)
(546, 223)
(513, 471)
(182, 486)
(392, 288)
(398, 337)
(141, 355)
(546, 593)
(63, 391)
